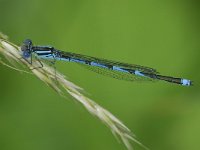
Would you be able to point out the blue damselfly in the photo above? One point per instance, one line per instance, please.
(124, 71)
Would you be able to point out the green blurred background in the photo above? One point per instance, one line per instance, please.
(162, 34)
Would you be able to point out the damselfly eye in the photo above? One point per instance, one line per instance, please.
(26, 45)
(26, 54)
(27, 42)
(26, 48)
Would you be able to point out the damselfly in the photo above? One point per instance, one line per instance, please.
(114, 69)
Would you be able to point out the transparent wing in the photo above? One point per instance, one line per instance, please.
(116, 74)
(108, 62)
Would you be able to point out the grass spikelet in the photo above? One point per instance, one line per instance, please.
(62, 86)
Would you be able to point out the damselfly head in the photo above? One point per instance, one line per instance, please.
(26, 48)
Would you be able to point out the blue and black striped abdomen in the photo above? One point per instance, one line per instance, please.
(120, 70)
